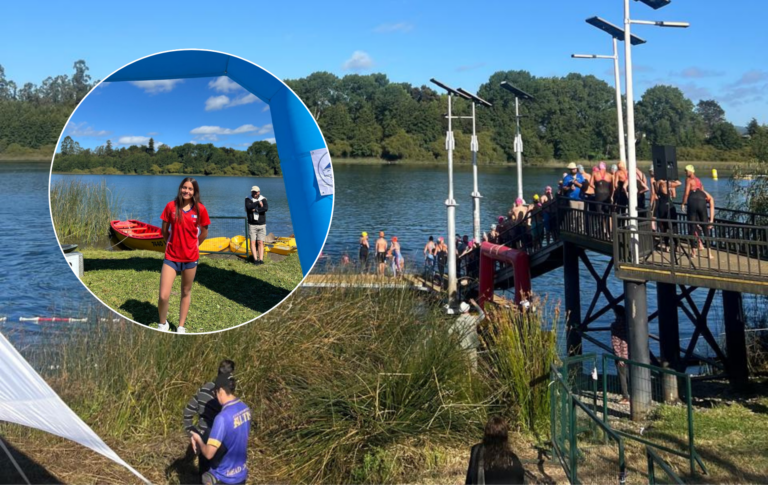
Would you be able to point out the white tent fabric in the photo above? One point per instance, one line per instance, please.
(26, 399)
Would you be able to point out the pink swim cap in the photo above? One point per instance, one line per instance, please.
(501, 218)
(518, 201)
(602, 165)
(548, 189)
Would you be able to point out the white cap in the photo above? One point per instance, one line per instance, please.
(464, 307)
(255, 188)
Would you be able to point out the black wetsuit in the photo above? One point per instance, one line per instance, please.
(697, 210)
(621, 198)
(363, 255)
(665, 210)
(603, 195)
(442, 260)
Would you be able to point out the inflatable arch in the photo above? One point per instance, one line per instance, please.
(309, 192)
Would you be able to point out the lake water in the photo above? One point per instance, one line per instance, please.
(144, 197)
(409, 202)
(35, 279)
(404, 201)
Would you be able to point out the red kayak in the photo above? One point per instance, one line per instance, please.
(137, 235)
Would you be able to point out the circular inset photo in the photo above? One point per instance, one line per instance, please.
(191, 191)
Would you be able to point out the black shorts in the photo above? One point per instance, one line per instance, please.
(381, 257)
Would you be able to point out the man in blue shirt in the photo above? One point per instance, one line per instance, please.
(572, 187)
(227, 444)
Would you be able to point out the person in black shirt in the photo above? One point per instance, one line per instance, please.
(204, 407)
(492, 461)
(256, 208)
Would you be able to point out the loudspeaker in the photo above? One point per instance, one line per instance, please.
(665, 162)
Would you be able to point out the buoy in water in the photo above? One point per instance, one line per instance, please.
(714, 174)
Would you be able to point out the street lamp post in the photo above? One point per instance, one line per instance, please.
(519, 94)
(474, 147)
(635, 293)
(617, 34)
(450, 203)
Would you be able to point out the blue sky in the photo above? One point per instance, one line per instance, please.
(172, 112)
(721, 56)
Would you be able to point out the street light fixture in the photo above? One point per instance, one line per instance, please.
(631, 154)
(618, 35)
(519, 94)
(450, 203)
(474, 146)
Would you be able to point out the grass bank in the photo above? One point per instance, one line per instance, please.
(346, 386)
(226, 291)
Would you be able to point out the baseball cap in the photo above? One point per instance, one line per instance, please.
(464, 307)
(255, 188)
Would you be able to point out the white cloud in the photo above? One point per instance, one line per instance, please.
(215, 103)
(133, 140)
(389, 28)
(359, 61)
(159, 86)
(470, 67)
(217, 130)
(266, 108)
(754, 76)
(271, 140)
(224, 84)
(265, 129)
(82, 129)
(694, 72)
(153, 133)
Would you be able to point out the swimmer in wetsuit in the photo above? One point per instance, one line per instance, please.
(696, 200)
(620, 189)
(602, 184)
(365, 246)
(664, 208)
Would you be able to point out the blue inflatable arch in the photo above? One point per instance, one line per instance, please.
(296, 132)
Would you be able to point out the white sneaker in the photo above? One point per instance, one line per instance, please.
(181, 330)
(163, 327)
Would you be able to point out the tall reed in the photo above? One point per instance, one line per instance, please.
(346, 385)
(82, 210)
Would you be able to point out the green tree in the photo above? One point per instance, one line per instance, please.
(711, 114)
(725, 136)
(151, 147)
(667, 117)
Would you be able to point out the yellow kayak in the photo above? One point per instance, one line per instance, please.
(286, 241)
(215, 245)
(283, 249)
(239, 245)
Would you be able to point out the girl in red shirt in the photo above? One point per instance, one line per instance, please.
(185, 227)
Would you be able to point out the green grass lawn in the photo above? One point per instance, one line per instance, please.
(731, 439)
(226, 291)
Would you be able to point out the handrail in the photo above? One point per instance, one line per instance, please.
(655, 459)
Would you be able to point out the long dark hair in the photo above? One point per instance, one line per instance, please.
(496, 444)
(195, 198)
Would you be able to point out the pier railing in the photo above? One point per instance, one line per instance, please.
(587, 448)
(656, 462)
(729, 254)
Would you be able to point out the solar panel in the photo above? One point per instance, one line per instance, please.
(517, 92)
(476, 99)
(446, 87)
(656, 4)
(613, 30)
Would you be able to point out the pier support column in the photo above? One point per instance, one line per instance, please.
(735, 339)
(572, 297)
(637, 320)
(669, 337)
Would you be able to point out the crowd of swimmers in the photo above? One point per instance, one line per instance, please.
(602, 192)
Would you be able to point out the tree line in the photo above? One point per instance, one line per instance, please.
(259, 159)
(367, 116)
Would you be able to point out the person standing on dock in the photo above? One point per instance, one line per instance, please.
(572, 186)
(185, 227)
(381, 253)
(228, 440)
(256, 207)
(441, 251)
(620, 188)
(397, 257)
(365, 247)
(602, 184)
(642, 188)
(429, 257)
(203, 408)
(696, 199)
(621, 348)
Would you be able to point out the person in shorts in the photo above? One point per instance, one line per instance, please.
(185, 227)
(227, 445)
(381, 253)
(256, 207)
